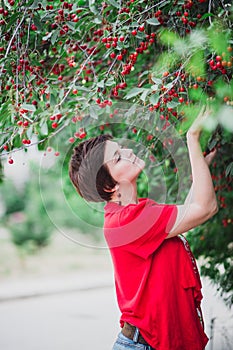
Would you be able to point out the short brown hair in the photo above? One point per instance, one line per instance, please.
(87, 171)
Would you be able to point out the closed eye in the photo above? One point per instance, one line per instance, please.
(118, 158)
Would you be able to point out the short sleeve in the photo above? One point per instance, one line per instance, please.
(141, 228)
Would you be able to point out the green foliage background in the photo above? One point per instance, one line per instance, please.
(65, 66)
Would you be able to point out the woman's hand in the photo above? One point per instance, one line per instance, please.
(195, 129)
(209, 157)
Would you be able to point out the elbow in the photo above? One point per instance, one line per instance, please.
(213, 209)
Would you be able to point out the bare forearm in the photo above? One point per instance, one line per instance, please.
(202, 190)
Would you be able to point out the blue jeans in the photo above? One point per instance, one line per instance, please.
(124, 343)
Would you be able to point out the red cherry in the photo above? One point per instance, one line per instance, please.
(54, 125)
(82, 135)
(10, 161)
(134, 32)
(119, 57)
(33, 27)
(112, 55)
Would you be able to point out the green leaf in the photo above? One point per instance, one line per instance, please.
(114, 3)
(110, 82)
(53, 100)
(97, 20)
(54, 36)
(168, 38)
(11, 21)
(37, 22)
(28, 107)
(131, 111)
(206, 15)
(82, 88)
(46, 37)
(153, 21)
(156, 80)
(44, 128)
(93, 110)
(154, 98)
(165, 62)
(223, 89)
(101, 84)
(71, 25)
(229, 169)
(34, 5)
(144, 73)
(154, 87)
(134, 92)
(92, 7)
(198, 95)
(32, 77)
(61, 93)
(144, 94)
(172, 104)
(218, 40)
(196, 64)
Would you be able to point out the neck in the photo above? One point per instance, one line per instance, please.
(126, 194)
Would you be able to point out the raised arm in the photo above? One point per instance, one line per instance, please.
(201, 203)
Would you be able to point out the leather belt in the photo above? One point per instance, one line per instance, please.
(129, 331)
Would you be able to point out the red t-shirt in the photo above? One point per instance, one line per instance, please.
(157, 282)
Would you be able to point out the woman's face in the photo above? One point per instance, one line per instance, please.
(122, 163)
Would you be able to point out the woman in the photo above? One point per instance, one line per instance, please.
(157, 282)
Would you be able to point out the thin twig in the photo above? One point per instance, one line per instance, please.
(209, 9)
(11, 40)
(66, 123)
